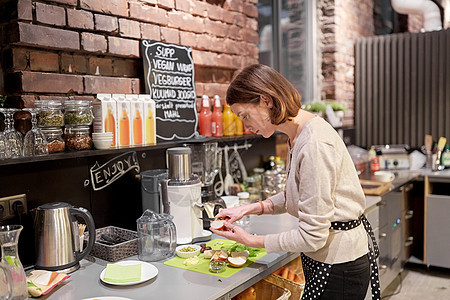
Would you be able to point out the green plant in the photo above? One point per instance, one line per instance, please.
(336, 106)
(2, 101)
(316, 106)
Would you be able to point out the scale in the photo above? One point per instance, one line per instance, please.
(393, 157)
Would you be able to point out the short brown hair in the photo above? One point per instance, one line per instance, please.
(256, 80)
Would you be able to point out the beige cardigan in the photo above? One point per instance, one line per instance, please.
(322, 186)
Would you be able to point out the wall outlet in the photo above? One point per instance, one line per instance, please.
(12, 204)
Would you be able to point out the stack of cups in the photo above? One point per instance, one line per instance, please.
(102, 140)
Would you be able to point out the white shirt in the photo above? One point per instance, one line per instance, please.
(322, 186)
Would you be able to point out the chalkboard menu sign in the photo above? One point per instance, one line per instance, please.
(169, 79)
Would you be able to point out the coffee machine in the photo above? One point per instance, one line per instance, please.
(181, 197)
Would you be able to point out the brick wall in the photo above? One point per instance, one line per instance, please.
(342, 22)
(78, 48)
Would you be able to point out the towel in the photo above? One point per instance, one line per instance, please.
(41, 282)
(122, 274)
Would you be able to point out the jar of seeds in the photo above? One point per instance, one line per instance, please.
(49, 113)
(77, 138)
(55, 142)
(78, 112)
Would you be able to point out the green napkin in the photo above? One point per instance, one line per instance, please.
(121, 274)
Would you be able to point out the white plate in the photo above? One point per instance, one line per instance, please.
(148, 271)
(108, 298)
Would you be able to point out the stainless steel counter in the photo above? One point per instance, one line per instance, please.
(175, 283)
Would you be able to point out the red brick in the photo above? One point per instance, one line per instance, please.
(196, 24)
(170, 35)
(224, 60)
(148, 13)
(152, 2)
(22, 101)
(250, 36)
(183, 5)
(215, 12)
(112, 7)
(25, 10)
(150, 32)
(100, 66)
(44, 61)
(250, 10)
(48, 37)
(47, 98)
(68, 2)
(73, 63)
(80, 19)
(216, 28)
(204, 41)
(125, 67)
(252, 24)
(177, 19)
(82, 97)
(234, 5)
(106, 23)
(129, 28)
(240, 19)
(218, 44)
(199, 88)
(38, 82)
(114, 85)
(93, 42)
(188, 39)
(20, 59)
(229, 17)
(216, 89)
(204, 58)
(234, 32)
(122, 46)
(199, 8)
(168, 4)
(50, 14)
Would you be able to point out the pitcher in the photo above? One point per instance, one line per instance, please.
(157, 236)
(9, 237)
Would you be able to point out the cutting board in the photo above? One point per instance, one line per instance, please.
(374, 188)
(203, 265)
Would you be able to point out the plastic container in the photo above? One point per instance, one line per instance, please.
(78, 112)
(77, 138)
(228, 121)
(55, 141)
(204, 119)
(49, 113)
(216, 118)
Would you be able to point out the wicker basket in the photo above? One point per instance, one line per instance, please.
(115, 252)
(266, 290)
(295, 288)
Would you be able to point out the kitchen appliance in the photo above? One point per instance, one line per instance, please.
(393, 157)
(150, 189)
(157, 237)
(205, 164)
(57, 239)
(181, 197)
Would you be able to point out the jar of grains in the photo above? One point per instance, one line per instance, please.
(78, 112)
(77, 138)
(55, 142)
(49, 113)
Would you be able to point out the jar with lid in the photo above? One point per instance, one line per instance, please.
(55, 142)
(77, 138)
(78, 112)
(49, 113)
(244, 199)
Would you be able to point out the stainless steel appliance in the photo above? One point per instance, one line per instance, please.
(393, 157)
(151, 189)
(57, 237)
(181, 196)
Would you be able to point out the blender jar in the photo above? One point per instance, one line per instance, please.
(157, 238)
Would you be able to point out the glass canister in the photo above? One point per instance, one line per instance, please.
(49, 113)
(244, 198)
(78, 112)
(55, 141)
(157, 237)
(77, 138)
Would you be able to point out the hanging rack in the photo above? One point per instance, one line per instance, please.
(246, 146)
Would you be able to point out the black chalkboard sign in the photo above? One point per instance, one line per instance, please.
(169, 79)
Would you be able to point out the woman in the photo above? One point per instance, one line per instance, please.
(322, 190)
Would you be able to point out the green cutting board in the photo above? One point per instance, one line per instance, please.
(203, 265)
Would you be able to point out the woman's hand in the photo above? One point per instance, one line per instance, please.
(232, 214)
(238, 234)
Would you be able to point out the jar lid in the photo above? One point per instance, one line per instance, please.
(78, 103)
(243, 195)
(52, 130)
(77, 129)
(48, 104)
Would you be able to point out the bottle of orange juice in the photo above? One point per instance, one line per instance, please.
(124, 127)
(228, 121)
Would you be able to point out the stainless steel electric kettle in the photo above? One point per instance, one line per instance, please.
(57, 239)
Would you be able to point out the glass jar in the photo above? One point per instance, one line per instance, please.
(49, 113)
(244, 199)
(55, 142)
(78, 112)
(77, 138)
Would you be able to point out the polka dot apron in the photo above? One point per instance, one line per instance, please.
(317, 273)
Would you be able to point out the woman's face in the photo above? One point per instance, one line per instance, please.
(256, 117)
